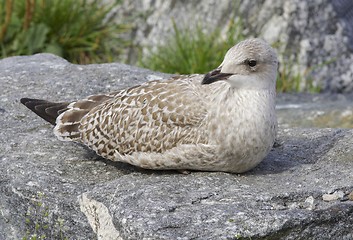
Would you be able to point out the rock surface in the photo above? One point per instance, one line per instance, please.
(64, 191)
(316, 36)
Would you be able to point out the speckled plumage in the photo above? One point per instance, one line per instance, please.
(222, 121)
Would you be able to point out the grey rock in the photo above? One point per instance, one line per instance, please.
(68, 192)
(344, 9)
(315, 36)
(315, 110)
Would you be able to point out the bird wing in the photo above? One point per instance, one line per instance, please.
(152, 117)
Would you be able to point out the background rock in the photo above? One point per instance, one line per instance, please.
(315, 36)
(315, 111)
(69, 192)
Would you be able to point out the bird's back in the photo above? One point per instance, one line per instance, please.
(152, 117)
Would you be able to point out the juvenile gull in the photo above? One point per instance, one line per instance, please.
(222, 121)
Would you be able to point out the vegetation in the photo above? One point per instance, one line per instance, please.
(40, 220)
(290, 81)
(188, 51)
(77, 30)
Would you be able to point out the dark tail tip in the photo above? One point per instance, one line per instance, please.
(49, 111)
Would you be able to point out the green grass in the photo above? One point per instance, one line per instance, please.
(77, 30)
(290, 81)
(189, 50)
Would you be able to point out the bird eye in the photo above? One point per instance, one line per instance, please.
(251, 63)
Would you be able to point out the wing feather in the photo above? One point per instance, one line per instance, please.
(68, 122)
(155, 116)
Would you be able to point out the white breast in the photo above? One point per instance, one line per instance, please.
(243, 124)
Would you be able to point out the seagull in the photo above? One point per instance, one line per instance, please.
(220, 121)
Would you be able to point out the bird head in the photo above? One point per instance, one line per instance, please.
(251, 64)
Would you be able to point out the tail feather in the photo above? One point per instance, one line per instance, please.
(65, 116)
(49, 111)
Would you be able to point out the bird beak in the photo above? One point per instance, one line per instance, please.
(215, 75)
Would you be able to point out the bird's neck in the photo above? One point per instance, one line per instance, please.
(242, 98)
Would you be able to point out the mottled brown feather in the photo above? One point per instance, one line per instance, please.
(151, 117)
